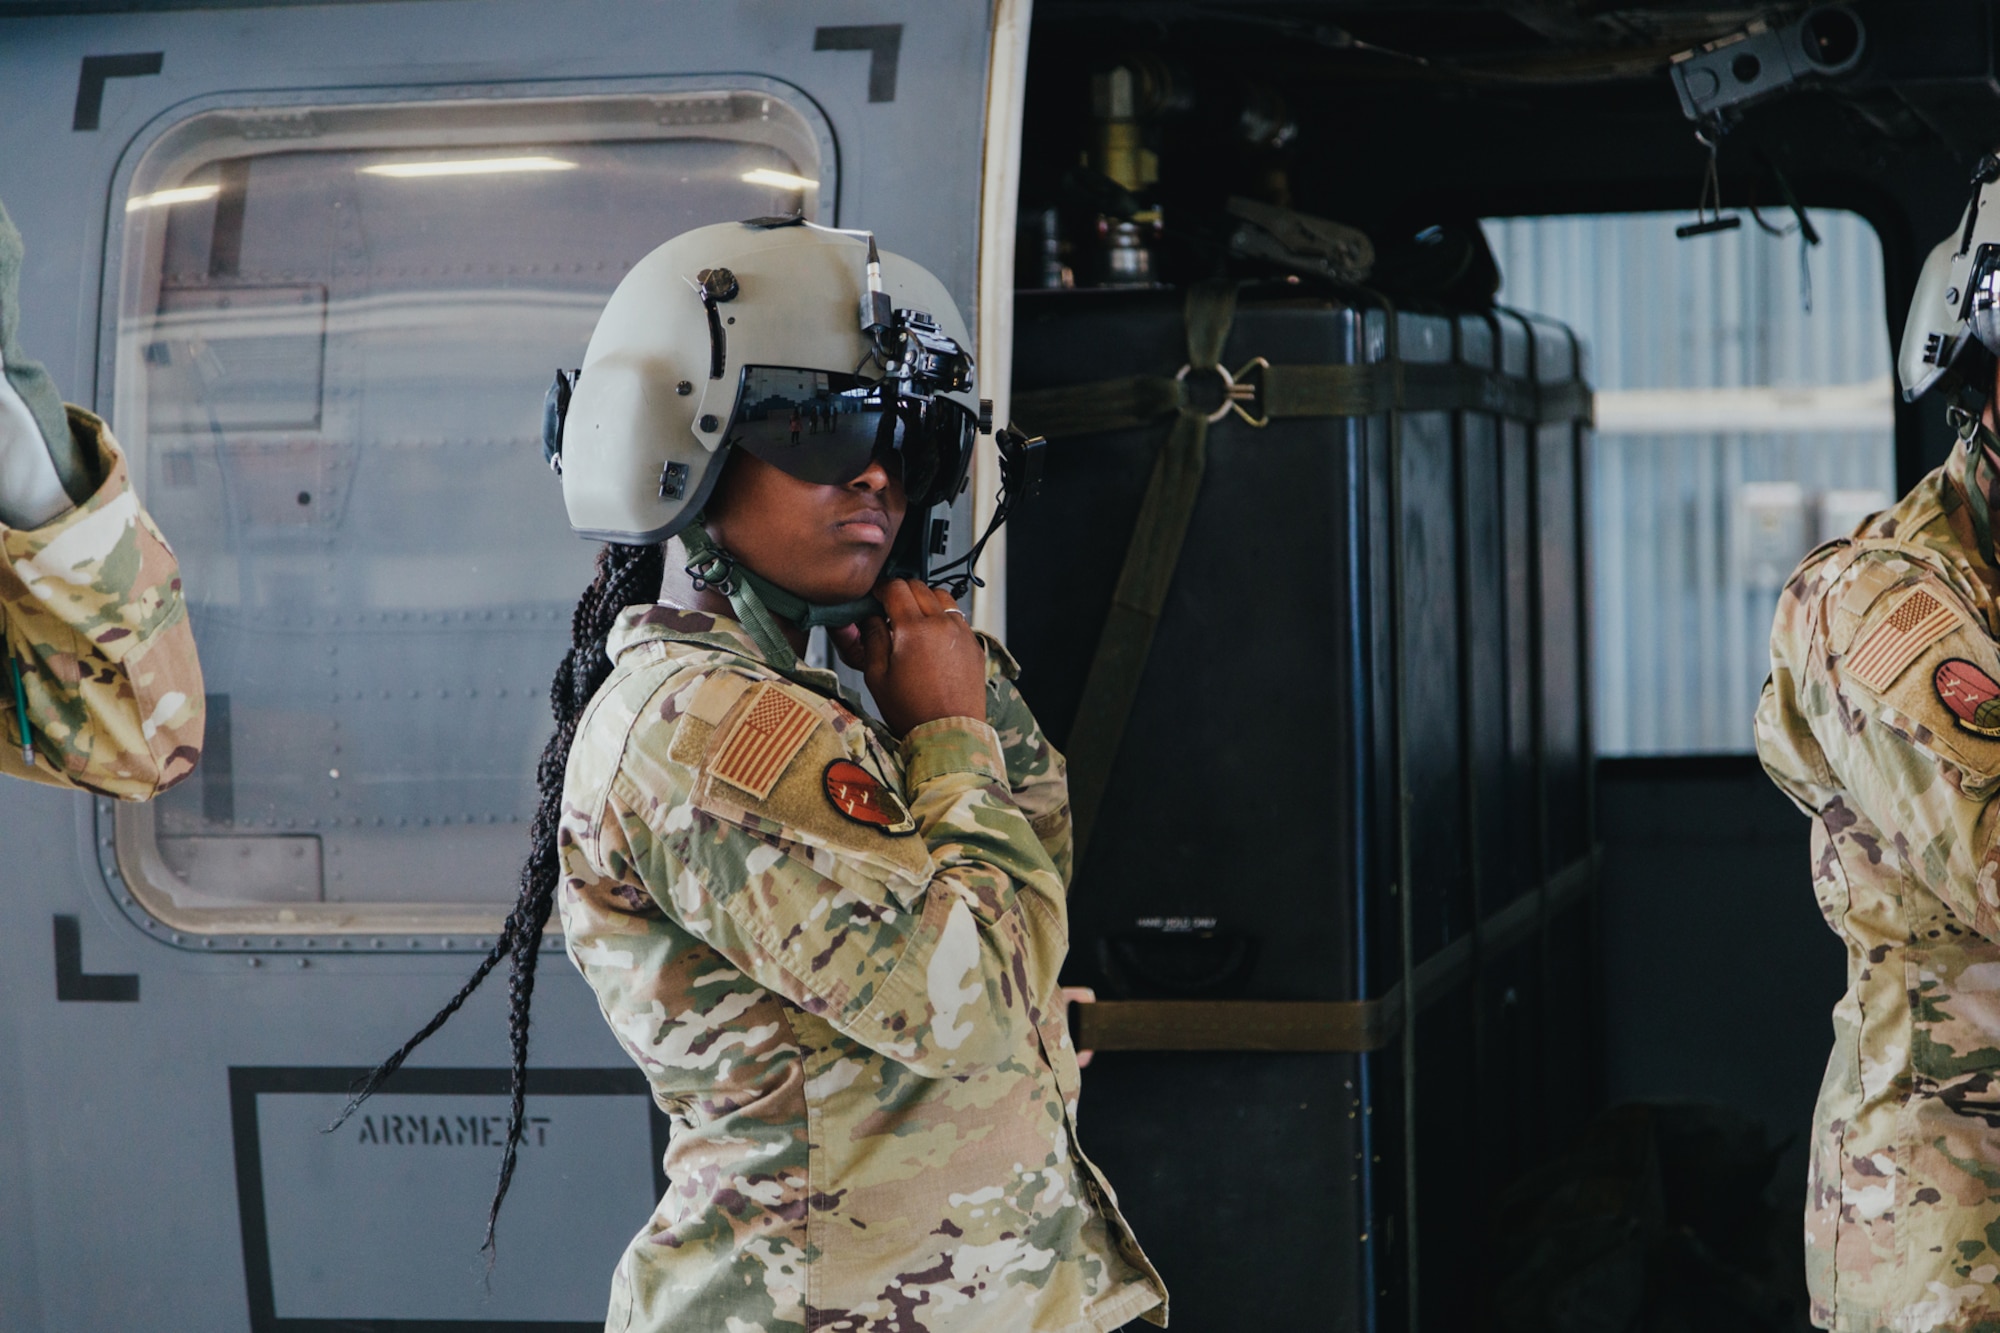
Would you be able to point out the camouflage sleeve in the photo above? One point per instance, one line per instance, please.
(1786, 745)
(91, 610)
(1036, 773)
(1903, 710)
(912, 946)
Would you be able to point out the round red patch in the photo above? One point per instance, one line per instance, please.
(854, 792)
(1971, 694)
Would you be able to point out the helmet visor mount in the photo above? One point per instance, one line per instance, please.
(826, 427)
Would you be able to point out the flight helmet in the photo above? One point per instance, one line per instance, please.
(1952, 335)
(802, 345)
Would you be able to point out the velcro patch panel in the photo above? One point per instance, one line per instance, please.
(1919, 618)
(767, 735)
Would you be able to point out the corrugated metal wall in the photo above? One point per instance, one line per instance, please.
(1694, 530)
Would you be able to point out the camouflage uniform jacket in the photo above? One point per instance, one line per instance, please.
(91, 609)
(1882, 721)
(834, 956)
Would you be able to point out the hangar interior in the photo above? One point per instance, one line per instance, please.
(1458, 967)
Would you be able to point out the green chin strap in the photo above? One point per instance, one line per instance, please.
(1966, 416)
(759, 603)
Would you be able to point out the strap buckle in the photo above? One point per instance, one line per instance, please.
(1236, 391)
(715, 569)
(1241, 391)
(1963, 423)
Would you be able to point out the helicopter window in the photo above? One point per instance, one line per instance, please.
(334, 332)
(1744, 415)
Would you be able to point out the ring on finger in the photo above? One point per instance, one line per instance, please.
(954, 611)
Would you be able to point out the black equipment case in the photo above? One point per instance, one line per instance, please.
(1369, 671)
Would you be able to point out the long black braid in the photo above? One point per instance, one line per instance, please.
(626, 575)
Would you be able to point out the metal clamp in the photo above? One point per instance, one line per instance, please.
(1241, 392)
(1235, 393)
(1963, 423)
(713, 569)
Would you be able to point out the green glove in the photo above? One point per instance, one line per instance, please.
(30, 386)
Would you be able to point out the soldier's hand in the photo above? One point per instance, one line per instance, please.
(922, 662)
(41, 469)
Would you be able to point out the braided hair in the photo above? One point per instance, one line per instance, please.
(626, 575)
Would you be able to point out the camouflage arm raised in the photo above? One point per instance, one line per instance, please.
(1036, 773)
(942, 976)
(92, 613)
(1892, 746)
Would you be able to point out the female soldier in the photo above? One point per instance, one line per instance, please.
(830, 942)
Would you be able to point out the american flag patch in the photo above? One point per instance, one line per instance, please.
(769, 735)
(1916, 622)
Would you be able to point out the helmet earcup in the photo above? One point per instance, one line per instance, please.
(1933, 333)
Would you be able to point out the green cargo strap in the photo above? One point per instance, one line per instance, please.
(1240, 1025)
(1150, 559)
(1266, 393)
(1335, 1025)
(1103, 405)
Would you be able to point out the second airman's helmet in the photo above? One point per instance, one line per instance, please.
(1953, 332)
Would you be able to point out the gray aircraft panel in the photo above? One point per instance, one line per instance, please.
(909, 167)
(124, 1163)
(350, 1258)
(127, 1159)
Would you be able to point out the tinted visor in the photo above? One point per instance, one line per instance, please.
(825, 427)
(1982, 297)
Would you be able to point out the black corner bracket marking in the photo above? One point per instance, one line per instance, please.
(96, 69)
(882, 41)
(73, 983)
(218, 759)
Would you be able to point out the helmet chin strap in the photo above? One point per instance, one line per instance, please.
(759, 603)
(1966, 415)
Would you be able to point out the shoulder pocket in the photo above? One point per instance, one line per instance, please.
(1924, 654)
(1898, 630)
(1867, 584)
(774, 763)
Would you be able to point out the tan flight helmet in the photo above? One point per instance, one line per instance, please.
(1953, 332)
(787, 339)
(799, 344)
